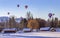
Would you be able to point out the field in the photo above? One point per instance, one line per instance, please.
(32, 35)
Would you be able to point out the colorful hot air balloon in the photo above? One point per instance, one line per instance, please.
(50, 15)
(18, 5)
(26, 6)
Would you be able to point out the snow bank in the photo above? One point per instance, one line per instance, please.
(45, 28)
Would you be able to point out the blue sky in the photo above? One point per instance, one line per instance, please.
(39, 8)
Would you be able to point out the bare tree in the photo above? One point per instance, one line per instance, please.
(59, 23)
(29, 15)
(56, 22)
(23, 24)
(12, 22)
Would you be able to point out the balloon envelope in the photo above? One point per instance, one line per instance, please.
(26, 6)
(8, 13)
(50, 14)
(18, 5)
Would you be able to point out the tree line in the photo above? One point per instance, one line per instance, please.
(30, 22)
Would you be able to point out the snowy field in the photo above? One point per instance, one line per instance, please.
(32, 35)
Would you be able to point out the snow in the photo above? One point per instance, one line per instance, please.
(41, 34)
(10, 37)
(34, 30)
(45, 28)
(10, 29)
(44, 34)
(32, 35)
(26, 29)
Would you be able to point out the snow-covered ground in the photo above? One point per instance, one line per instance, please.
(32, 35)
(44, 34)
(41, 34)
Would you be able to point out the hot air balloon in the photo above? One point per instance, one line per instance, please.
(8, 13)
(26, 6)
(50, 15)
(18, 5)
